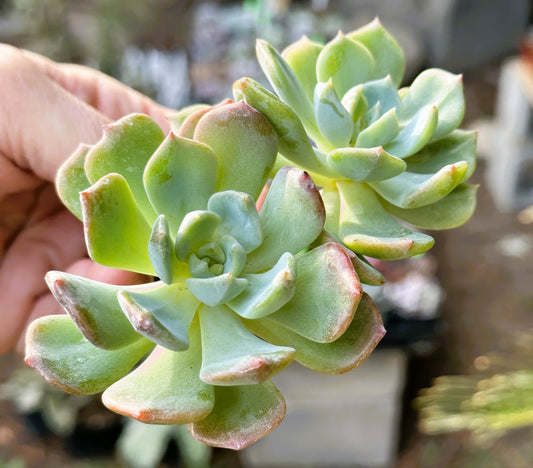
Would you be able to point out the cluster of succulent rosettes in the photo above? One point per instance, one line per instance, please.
(240, 292)
(383, 156)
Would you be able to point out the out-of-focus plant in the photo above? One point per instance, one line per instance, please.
(494, 400)
(383, 156)
(182, 208)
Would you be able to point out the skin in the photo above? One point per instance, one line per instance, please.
(47, 110)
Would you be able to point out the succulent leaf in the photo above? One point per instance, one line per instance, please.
(383, 91)
(388, 55)
(326, 296)
(292, 217)
(58, 351)
(230, 361)
(71, 180)
(180, 177)
(189, 125)
(116, 233)
(94, 308)
(218, 289)
(164, 389)
(235, 255)
(347, 62)
(365, 164)
(238, 218)
(242, 415)
(345, 353)
(366, 228)
(268, 291)
(196, 229)
(163, 313)
(380, 132)
(125, 149)
(245, 142)
(439, 88)
(176, 119)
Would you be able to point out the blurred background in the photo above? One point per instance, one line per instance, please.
(461, 314)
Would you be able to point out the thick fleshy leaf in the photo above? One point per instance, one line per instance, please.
(416, 189)
(125, 148)
(439, 88)
(286, 84)
(365, 164)
(235, 255)
(388, 55)
(326, 297)
(380, 132)
(196, 229)
(415, 134)
(334, 121)
(58, 351)
(238, 218)
(161, 253)
(453, 210)
(116, 233)
(164, 389)
(245, 143)
(383, 91)
(176, 120)
(162, 314)
(294, 143)
(242, 415)
(355, 102)
(267, 292)
(180, 177)
(71, 180)
(189, 124)
(345, 353)
(346, 62)
(94, 308)
(302, 56)
(330, 196)
(292, 217)
(366, 228)
(231, 355)
(217, 290)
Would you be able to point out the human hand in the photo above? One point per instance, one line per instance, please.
(47, 110)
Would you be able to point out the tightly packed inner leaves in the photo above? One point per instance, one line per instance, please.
(247, 277)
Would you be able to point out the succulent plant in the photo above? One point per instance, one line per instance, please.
(240, 292)
(383, 156)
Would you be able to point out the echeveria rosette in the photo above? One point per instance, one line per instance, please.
(383, 156)
(182, 208)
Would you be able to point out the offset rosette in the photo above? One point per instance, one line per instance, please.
(383, 156)
(240, 292)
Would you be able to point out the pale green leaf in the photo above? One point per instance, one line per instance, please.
(196, 229)
(380, 132)
(218, 289)
(176, 120)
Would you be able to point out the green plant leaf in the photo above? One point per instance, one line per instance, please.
(415, 134)
(189, 124)
(218, 289)
(164, 389)
(242, 415)
(344, 354)
(231, 355)
(176, 120)
(346, 62)
(453, 210)
(245, 142)
(125, 148)
(58, 351)
(180, 177)
(355, 103)
(326, 296)
(365, 164)
(302, 56)
(380, 132)
(238, 218)
(439, 88)
(292, 217)
(163, 313)
(116, 233)
(294, 143)
(71, 180)
(235, 255)
(94, 308)
(267, 292)
(334, 122)
(286, 84)
(367, 229)
(383, 91)
(196, 229)
(388, 55)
